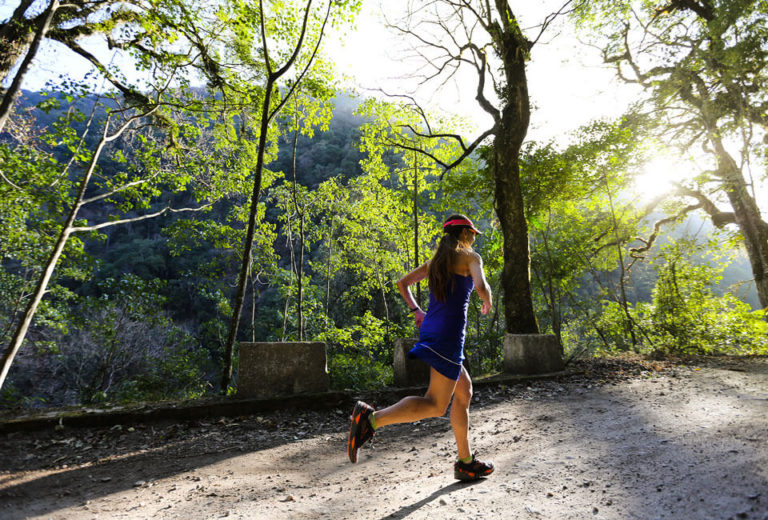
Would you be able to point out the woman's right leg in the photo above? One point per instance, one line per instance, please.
(413, 408)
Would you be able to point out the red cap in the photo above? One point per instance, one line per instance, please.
(462, 222)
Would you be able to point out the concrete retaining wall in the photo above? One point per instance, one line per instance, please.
(527, 354)
(409, 372)
(274, 369)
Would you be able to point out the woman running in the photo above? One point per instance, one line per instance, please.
(454, 270)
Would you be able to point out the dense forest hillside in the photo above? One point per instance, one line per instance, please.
(141, 310)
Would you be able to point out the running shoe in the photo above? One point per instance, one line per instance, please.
(360, 430)
(473, 470)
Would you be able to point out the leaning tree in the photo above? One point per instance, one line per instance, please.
(704, 64)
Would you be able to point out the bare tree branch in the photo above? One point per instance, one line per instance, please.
(719, 218)
(297, 48)
(636, 252)
(119, 189)
(564, 10)
(308, 65)
(704, 8)
(96, 227)
(9, 182)
(130, 94)
(466, 149)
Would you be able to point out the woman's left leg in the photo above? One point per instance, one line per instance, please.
(467, 467)
(462, 397)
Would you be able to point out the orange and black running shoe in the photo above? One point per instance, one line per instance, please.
(360, 430)
(474, 470)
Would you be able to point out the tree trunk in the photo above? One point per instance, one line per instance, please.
(273, 76)
(382, 289)
(53, 259)
(552, 296)
(287, 306)
(15, 38)
(299, 208)
(557, 326)
(622, 270)
(328, 274)
(245, 266)
(516, 285)
(748, 218)
(299, 280)
(416, 222)
(511, 131)
(253, 308)
(9, 96)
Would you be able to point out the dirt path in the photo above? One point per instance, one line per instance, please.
(626, 441)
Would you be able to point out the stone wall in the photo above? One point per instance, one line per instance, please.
(282, 368)
(408, 372)
(527, 354)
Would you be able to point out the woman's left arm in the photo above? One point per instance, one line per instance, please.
(404, 286)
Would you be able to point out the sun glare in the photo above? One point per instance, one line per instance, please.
(657, 177)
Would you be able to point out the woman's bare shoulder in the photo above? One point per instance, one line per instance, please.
(468, 256)
(464, 259)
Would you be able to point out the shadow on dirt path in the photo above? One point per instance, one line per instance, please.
(75, 467)
(405, 511)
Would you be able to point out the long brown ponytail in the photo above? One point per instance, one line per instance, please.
(441, 267)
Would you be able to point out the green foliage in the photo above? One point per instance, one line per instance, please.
(685, 317)
(329, 153)
(356, 372)
(579, 223)
(360, 356)
(173, 374)
(150, 321)
(612, 325)
(12, 397)
(359, 240)
(34, 190)
(703, 68)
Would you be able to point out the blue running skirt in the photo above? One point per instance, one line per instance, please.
(445, 363)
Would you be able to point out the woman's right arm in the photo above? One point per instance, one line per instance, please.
(404, 286)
